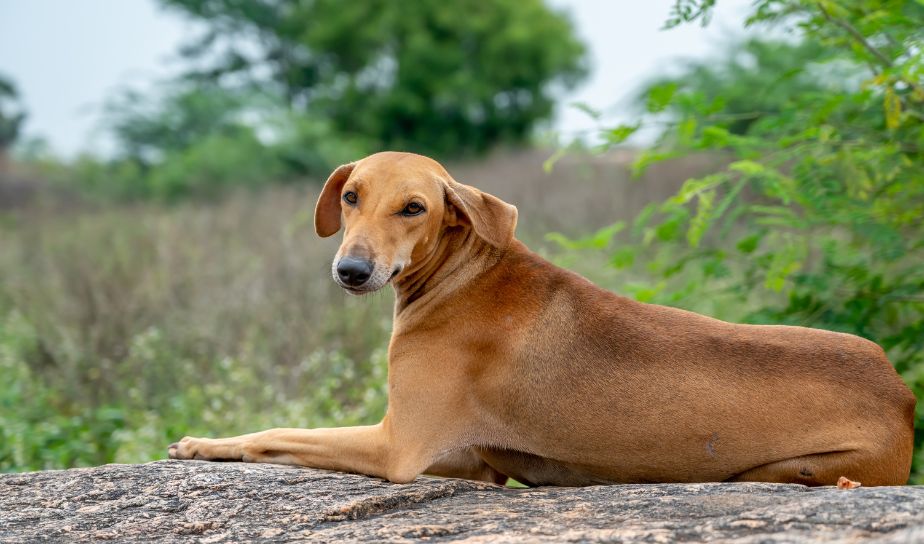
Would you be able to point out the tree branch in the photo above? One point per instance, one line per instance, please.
(857, 36)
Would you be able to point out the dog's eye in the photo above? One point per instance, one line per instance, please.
(350, 197)
(412, 209)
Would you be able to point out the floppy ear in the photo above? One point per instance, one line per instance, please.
(490, 217)
(327, 210)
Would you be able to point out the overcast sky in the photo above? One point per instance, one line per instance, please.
(66, 56)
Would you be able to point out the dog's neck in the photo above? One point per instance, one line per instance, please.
(458, 256)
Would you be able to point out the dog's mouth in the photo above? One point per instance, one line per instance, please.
(370, 286)
(364, 289)
(355, 291)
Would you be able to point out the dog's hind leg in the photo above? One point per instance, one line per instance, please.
(864, 466)
(465, 463)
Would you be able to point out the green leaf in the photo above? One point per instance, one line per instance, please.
(623, 257)
(694, 186)
(641, 220)
(593, 113)
(783, 263)
(644, 292)
(549, 164)
(647, 158)
(669, 229)
(561, 240)
(715, 137)
(892, 105)
(686, 130)
(598, 240)
(660, 96)
(703, 218)
(749, 243)
(729, 198)
(776, 211)
(749, 168)
(620, 134)
(602, 237)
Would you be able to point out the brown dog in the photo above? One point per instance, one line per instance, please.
(501, 364)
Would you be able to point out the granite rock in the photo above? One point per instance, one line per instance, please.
(186, 501)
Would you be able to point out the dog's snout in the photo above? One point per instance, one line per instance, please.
(354, 272)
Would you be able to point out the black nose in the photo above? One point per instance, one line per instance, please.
(354, 272)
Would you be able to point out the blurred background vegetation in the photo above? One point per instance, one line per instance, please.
(175, 286)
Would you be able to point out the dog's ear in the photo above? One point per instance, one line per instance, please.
(490, 217)
(327, 210)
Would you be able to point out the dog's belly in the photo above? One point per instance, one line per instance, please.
(534, 470)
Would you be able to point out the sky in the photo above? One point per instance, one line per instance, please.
(68, 56)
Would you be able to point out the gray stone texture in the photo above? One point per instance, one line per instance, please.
(195, 501)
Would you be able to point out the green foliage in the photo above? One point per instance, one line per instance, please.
(35, 431)
(12, 115)
(41, 428)
(816, 219)
(750, 81)
(438, 77)
(201, 140)
(146, 130)
(684, 11)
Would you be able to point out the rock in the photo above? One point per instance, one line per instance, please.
(180, 501)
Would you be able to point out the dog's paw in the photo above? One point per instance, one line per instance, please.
(186, 448)
(206, 449)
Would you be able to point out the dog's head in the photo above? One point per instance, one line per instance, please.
(395, 207)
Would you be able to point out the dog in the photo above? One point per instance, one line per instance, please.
(503, 365)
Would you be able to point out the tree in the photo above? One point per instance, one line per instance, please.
(148, 130)
(12, 118)
(199, 140)
(750, 80)
(817, 218)
(431, 76)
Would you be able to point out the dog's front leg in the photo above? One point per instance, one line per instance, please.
(368, 450)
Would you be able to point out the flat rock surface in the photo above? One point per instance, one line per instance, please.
(183, 501)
